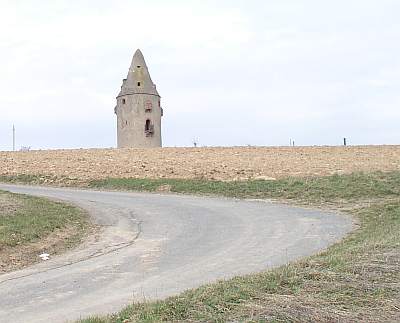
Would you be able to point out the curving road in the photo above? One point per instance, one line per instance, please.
(153, 246)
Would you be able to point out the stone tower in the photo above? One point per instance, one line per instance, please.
(138, 108)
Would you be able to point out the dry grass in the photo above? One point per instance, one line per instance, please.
(236, 163)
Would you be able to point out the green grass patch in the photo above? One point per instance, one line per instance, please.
(313, 189)
(355, 186)
(25, 219)
(356, 280)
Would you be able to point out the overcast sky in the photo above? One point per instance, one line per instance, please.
(251, 72)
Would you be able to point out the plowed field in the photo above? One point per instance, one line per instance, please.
(233, 163)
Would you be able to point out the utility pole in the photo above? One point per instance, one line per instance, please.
(13, 137)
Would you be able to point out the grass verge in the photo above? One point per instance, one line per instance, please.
(31, 225)
(316, 189)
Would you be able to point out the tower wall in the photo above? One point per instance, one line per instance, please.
(131, 121)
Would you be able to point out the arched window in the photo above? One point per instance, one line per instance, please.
(123, 101)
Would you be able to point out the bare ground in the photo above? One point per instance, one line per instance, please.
(232, 163)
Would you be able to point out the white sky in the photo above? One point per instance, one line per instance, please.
(253, 72)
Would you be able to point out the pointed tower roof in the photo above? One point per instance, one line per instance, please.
(138, 59)
(138, 80)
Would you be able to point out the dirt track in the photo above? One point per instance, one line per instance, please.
(236, 163)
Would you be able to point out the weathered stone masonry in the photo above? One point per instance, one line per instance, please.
(138, 108)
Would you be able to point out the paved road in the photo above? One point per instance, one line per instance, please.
(154, 246)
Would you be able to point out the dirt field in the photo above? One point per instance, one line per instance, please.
(236, 163)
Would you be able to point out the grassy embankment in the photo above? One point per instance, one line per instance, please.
(356, 280)
(31, 225)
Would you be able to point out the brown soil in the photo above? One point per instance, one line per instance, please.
(234, 163)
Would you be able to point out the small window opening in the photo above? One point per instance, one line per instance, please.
(148, 128)
(138, 83)
(126, 123)
(138, 66)
(123, 101)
